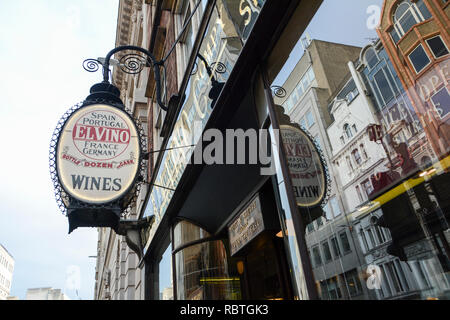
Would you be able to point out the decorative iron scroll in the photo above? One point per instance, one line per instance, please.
(132, 63)
(278, 91)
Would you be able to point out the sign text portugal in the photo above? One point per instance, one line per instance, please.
(98, 154)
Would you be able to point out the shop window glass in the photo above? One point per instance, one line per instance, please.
(387, 187)
(185, 232)
(202, 273)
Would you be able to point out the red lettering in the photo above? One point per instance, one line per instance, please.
(101, 134)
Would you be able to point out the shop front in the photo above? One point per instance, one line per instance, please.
(257, 208)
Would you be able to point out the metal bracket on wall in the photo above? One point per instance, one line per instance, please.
(132, 230)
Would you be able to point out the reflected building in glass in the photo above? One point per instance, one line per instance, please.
(227, 228)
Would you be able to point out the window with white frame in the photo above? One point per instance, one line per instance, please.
(407, 15)
(419, 58)
(437, 46)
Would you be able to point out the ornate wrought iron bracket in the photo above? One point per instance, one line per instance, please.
(132, 63)
(132, 230)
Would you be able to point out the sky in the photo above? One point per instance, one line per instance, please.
(42, 46)
(351, 22)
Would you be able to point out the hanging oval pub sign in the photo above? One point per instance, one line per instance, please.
(96, 160)
(97, 155)
(305, 165)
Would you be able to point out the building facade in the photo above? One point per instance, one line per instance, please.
(416, 37)
(226, 227)
(6, 272)
(45, 294)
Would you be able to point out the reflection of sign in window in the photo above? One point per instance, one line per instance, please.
(305, 166)
(441, 101)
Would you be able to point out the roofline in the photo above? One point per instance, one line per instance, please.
(7, 251)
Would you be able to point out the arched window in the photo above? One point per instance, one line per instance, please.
(348, 131)
(408, 14)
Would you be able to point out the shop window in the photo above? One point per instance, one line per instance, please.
(419, 58)
(202, 273)
(437, 46)
(441, 101)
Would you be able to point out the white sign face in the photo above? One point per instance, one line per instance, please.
(98, 154)
(305, 167)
